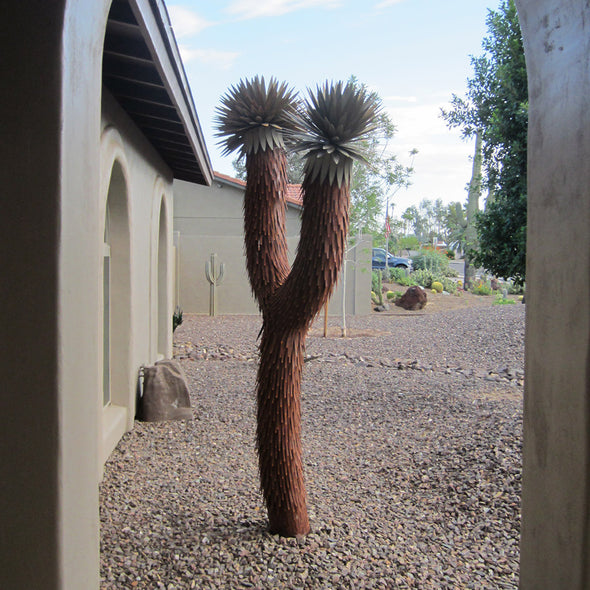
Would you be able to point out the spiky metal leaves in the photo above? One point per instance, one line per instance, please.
(255, 116)
(335, 120)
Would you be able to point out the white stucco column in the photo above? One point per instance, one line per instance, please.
(556, 480)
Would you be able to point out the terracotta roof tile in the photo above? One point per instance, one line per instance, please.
(293, 195)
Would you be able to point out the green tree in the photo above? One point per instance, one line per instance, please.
(416, 222)
(255, 118)
(455, 225)
(496, 105)
(471, 211)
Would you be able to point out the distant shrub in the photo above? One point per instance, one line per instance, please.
(514, 289)
(427, 279)
(481, 288)
(501, 300)
(429, 259)
(401, 277)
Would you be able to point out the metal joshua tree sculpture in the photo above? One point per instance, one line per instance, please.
(258, 119)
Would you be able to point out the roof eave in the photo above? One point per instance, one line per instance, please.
(154, 23)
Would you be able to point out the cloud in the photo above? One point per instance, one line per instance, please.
(257, 8)
(219, 59)
(401, 98)
(418, 120)
(185, 22)
(387, 3)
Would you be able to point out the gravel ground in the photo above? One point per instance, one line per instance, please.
(412, 447)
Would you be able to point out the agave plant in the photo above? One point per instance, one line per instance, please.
(332, 123)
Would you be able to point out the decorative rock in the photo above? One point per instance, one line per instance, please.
(384, 307)
(413, 299)
(165, 393)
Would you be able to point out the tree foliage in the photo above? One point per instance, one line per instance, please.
(496, 104)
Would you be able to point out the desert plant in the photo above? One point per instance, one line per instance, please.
(377, 292)
(427, 278)
(514, 288)
(390, 295)
(401, 277)
(448, 284)
(430, 259)
(176, 318)
(437, 286)
(375, 280)
(423, 277)
(215, 277)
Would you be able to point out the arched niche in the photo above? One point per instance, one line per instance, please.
(117, 383)
(164, 314)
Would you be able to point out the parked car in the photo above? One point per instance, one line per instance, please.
(378, 262)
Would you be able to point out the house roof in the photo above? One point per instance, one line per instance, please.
(143, 70)
(293, 196)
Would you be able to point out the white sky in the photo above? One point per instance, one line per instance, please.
(414, 53)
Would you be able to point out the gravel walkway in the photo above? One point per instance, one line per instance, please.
(412, 444)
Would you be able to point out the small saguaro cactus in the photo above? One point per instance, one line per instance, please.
(215, 278)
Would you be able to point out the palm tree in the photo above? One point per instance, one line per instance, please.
(334, 119)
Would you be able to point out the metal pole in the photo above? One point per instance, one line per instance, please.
(387, 238)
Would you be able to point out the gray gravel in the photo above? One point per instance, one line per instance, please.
(412, 444)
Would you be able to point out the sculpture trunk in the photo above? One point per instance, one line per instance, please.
(286, 321)
(279, 430)
(264, 223)
(258, 119)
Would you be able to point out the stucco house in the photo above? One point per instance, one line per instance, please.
(210, 220)
(97, 120)
(102, 119)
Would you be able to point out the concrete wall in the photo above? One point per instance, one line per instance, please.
(210, 220)
(555, 548)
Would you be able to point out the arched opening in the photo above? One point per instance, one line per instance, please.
(163, 314)
(116, 310)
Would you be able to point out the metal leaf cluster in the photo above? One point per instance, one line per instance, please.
(335, 120)
(254, 115)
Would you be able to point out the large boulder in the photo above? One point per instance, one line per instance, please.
(165, 393)
(413, 299)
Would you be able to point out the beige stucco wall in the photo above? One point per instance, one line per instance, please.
(209, 220)
(149, 194)
(56, 168)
